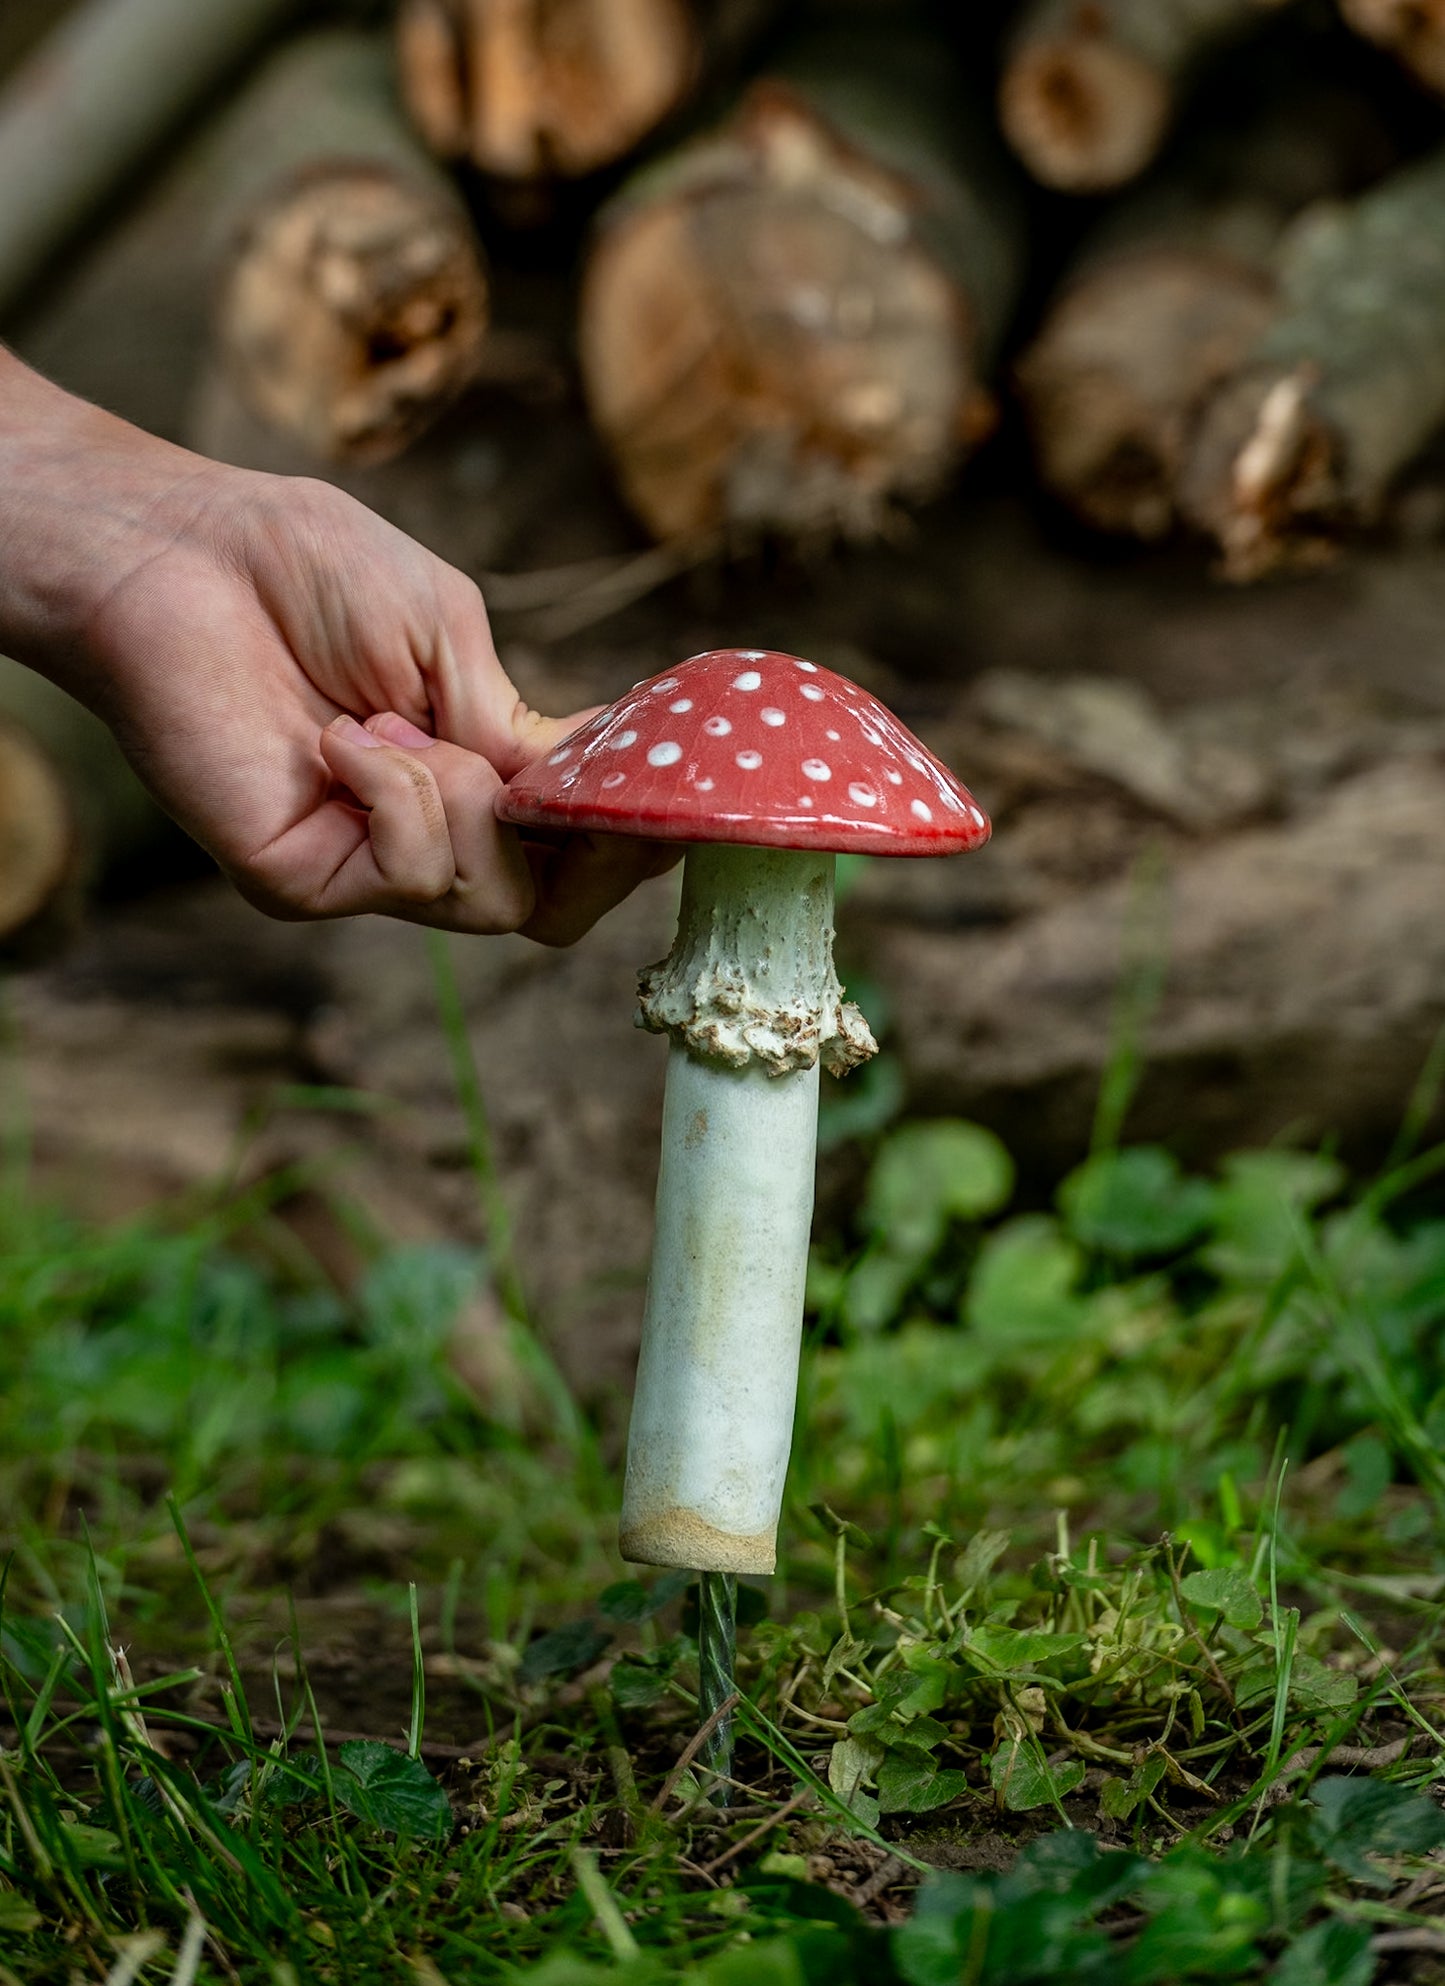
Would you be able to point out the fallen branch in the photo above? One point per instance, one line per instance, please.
(1300, 446)
(1090, 86)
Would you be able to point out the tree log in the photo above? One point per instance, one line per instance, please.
(71, 809)
(542, 89)
(1300, 446)
(787, 324)
(1120, 368)
(35, 831)
(1089, 86)
(1412, 30)
(1169, 294)
(352, 304)
(93, 99)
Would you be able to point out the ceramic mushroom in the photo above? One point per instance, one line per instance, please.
(766, 766)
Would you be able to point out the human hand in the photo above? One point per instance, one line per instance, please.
(311, 694)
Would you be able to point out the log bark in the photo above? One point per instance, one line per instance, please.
(1090, 87)
(90, 103)
(1300, 446)
(543, 89)
(786, 326)
(1412, 30)
(1167, 296)
(352, 304)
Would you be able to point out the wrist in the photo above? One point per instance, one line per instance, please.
(85, 501)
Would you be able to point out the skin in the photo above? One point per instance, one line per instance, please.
(309, 693)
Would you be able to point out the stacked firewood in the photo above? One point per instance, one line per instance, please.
(1192, 250)
(796, 316)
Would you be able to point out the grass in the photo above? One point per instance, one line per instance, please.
(1105, 1643)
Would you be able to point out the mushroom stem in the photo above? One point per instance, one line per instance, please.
(750, 999)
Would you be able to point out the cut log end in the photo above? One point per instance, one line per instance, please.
(1112, 384)
(537, 89)
(1266, 476)
(36, 836)
(354, 309)
(1412, 30)
(766, 346)
(1084, 114)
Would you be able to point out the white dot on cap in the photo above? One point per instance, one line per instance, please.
(717, 727)
(662, 688)
(805, 799)
(812, 693)
(750, 679)
(862, 796)
(895, 777)
(919, 765)
(615, 779)
(752, 654)
(773, 717)
(871, 736)
(563, 752)
(817, 769)
(683, 703)
(919, 807)
(835, 736)
(621, 741)
(799, 663)
(667, 753)
(749, 761)
(704, 785)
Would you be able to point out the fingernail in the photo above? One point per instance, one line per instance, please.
(398, 731)
(354, 733)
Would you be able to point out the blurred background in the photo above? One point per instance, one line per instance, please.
(1067, 372)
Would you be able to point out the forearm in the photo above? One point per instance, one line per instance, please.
(85, 498)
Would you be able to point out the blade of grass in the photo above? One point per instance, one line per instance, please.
(418, 1680)
(604, 1906)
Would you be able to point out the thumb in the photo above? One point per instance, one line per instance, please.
(533, 735)
(475, 703)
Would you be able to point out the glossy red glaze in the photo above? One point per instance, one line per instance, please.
(743, 744)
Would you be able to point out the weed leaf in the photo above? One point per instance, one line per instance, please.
(1226, 1593)
(1134, 1202)
(393, 1792)
(929, 1174)
(629, 1602)
(1023, 1780)
(563, 1651)
(1328, 1954)
(1353, 1819)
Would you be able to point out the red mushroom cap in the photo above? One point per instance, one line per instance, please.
(743, 744)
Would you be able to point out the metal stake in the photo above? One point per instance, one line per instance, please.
(717, 1627)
